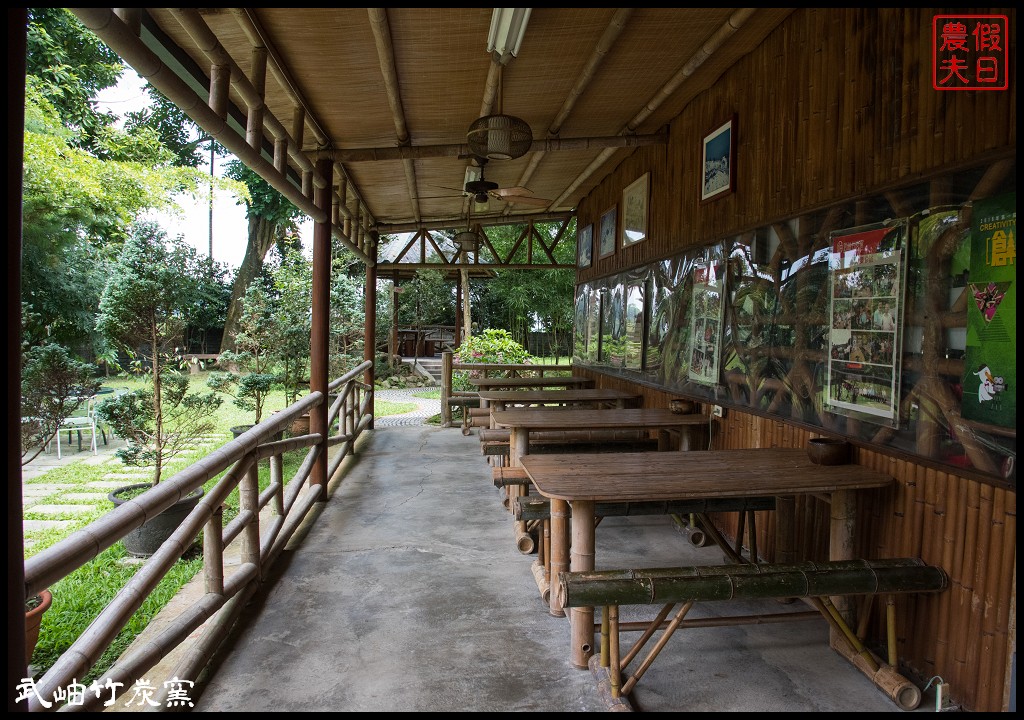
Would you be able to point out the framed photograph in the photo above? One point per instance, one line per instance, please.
(634, 210)
(608, 230)
(585, 247)
(718, 161)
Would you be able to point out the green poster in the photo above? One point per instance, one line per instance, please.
(990, 363)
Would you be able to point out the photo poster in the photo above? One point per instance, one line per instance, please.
(866, 278)
(990, 359)
(706, 315)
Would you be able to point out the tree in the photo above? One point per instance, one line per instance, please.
(272, 219)
(292, 280)
(52, 383)
(253, 355)
(145, 306)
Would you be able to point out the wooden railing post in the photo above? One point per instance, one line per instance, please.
(446, 388)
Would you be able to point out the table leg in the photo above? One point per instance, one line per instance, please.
(581, 559)
(842, 517)
(559, 555)
(518, 446)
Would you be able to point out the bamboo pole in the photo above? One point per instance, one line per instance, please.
(627, 688)
(973, 688)
(213, 553)
(991, 639)
(614, 671)
(950, 541)
(648, 632)
(560, 559)
(964, 590)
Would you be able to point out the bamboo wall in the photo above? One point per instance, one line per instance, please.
(837, 104)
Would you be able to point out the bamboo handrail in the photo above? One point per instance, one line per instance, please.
(238, 461)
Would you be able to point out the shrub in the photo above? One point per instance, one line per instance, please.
(490, 346)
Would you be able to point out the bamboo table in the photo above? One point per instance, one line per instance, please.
(498, 400)
(581, 480)
(512, 383)
(522, 421)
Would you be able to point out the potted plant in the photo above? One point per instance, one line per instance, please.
(250, 377)
(35, 606)
(146, 303)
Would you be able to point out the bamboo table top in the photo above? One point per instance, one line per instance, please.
(568, 395)
(692, 475)
(496, 383)
(592, 419)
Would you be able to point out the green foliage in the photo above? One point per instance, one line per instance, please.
(72, 65)
(491, 346)
(146, 303)
(52, 385)
(184, 417)
(292, 281)
(253, 378)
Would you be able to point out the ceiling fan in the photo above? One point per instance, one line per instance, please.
(482, 189)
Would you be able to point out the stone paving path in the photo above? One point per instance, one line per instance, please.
(49, 504)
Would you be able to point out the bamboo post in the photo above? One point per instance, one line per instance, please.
(446, 389)
(559, 560)
(841, 524)
(213, 553)
(614, 671)
(581, 554)
(248, 501)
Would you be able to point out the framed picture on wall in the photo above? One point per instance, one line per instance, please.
(608, 230)
(634, 210)
(718, 161)
(585, 247)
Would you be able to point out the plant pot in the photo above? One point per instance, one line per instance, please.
(147, 539)
(33, 620)
(828, 451)
(299, 426)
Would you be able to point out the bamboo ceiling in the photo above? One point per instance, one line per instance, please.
(388, 95)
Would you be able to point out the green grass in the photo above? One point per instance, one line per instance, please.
(434, 394)
(79, 597)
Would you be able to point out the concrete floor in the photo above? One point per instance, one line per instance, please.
(407, 593)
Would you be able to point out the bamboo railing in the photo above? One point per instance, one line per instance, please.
(262, 540)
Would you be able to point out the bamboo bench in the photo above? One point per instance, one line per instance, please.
(812, 581)
(496, 441)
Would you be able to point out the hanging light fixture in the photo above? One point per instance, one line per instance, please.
(501, 136)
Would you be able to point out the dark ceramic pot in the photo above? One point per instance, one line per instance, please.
(146, 540)
(828, 451)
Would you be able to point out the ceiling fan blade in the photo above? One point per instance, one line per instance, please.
(526, 200)
(506, 191)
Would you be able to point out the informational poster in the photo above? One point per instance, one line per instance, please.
(866, 273)
(990, 361)
(706, 323)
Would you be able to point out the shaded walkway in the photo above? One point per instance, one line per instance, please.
(407, 593)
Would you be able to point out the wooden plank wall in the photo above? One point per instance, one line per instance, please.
(836, 104)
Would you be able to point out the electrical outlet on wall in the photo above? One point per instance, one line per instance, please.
(718, 411)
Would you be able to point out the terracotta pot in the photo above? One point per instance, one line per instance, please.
(299, 426)
(33, 619)
(145, 540)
